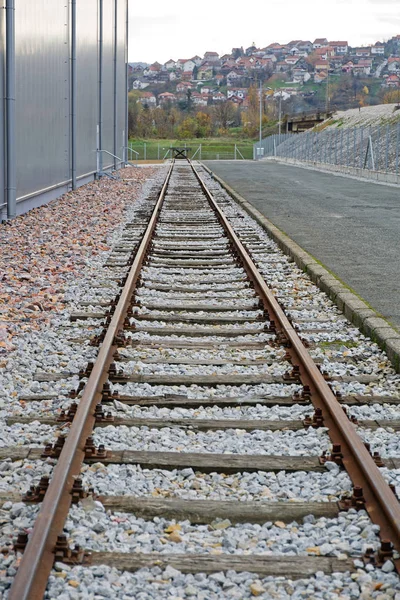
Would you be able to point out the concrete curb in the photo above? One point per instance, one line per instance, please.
(357, 312)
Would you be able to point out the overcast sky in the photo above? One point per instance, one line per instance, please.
(160, 30)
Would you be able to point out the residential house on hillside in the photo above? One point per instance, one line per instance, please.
(148, 99)
(189, 65)
(166, 97)
(393, 64)
(211, 56)
(138, 84)
(325, 52)
(184, 86)
(362, 51)
(282, 67)
(292, 60)
(320, 43)
(219, 79)
(393, 81)
(181, 62)
(305, 46)
(274, 48)
(321, 65)
(251, 50)
(170, 64)
(187, 75)
(239, 93)
(218, 97)
(153, 70)
(232, 78)
(340, 47)
(378, 49)
(205, 71)
(363, 67)
(301, 75)
(320, 76)
(197, 60)
(199, 99)
(348, 67)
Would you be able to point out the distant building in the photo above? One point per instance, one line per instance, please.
(320, 43)
(378, 49)
(148, 98)
(166, 97)
(211, 56)
(340, 47)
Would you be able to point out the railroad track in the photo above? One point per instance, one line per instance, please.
(194, 354)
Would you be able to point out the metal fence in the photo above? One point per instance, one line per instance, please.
(375, 148)
(159, 151)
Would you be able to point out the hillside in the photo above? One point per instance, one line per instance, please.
(381, 114)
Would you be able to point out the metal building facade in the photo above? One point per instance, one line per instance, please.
(70, 96)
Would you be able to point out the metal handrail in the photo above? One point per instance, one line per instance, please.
(114, 156)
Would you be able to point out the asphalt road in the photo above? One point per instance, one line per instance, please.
(351, 226)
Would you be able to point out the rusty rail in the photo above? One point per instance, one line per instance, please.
(37, 561)
(381, 503)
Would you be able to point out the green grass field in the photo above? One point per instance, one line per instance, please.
(207, 149)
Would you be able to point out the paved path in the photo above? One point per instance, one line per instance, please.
(351, 226)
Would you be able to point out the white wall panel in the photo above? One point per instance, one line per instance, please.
(108, 81)
(42, 94)
(87, 85)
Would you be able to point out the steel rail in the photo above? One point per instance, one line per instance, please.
(381, 503)
(31, 579)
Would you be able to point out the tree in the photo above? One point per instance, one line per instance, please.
(204, 125)
(187, 129)
(392, 97)
(223, 113)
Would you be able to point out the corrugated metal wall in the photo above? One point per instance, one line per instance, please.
(43, 94)
(87, 85)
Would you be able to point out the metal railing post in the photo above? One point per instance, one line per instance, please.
(73, 94)
(126, 132)
(11, 173)
(100, 125)
(361, 147)
(144, 151)
(378, 147)
(387, 149)
(115, 106)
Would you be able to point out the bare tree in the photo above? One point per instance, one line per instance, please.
(223, 114)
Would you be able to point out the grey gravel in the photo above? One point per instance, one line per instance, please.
(147, 584)
(230, 441)
(262, 486)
